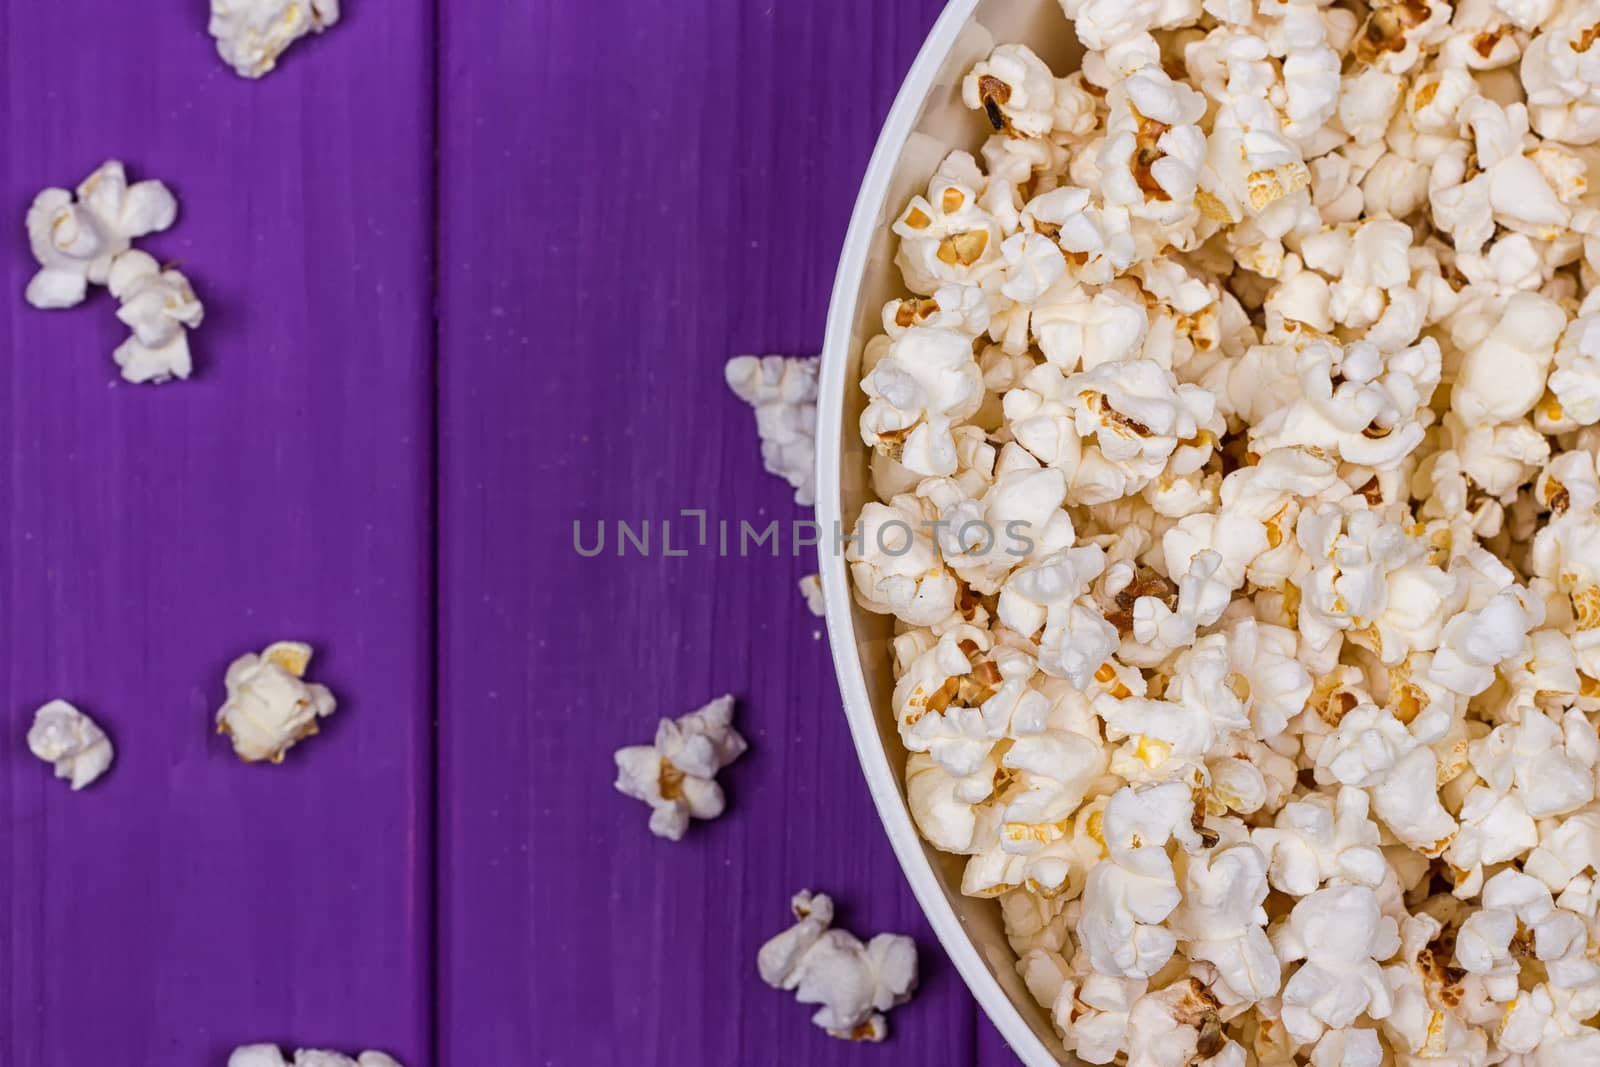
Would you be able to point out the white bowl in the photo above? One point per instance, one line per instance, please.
(928, 120)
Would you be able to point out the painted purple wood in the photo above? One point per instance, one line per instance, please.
(188, 903)
(633, 192)
(629, 192)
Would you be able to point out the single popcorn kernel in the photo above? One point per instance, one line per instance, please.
(270, 706)
(676, 775)
(70, 740)
(853, 984)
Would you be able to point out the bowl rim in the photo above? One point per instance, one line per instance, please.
(842, 311)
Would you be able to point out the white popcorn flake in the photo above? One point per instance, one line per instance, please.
(677, 774)
(272, 1056)
(1340, 933)
(76, 237)
(924, 386)
(852, 984)
(783, 392)
(1015, 90)
(160, 307)
(895, 565)
(252, 34)
(1127, 899)
(1224, 923)
(1320, 840)
(811, 589)
(1576, 378)
(1271, 329)
(1354, 1047)
(1561, 74)
(948, 237)
(1506, 358)
(270, 705)
(66, 737)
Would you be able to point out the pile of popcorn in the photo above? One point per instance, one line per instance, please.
(1238, 507)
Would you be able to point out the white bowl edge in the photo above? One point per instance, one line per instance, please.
(926, 121)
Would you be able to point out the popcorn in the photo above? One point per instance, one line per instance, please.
(1266, 339)
(947, 237)
(1475, 642)
(1043, 418)
(252, 34)
(1505, 362)
(1034, 264)
(270, 706)
(73, 742)
(1359, 404)
(896, 567)
(1576, 378)
(1077, 638)
(1347, 1048)
(1153, 151)
(926, 384)
(1352, 553)
(160, 307)
(811, 589)
(1224, 922)
(75, 239)
(1340, 934)
(677, 774)
(1561, 74)
(1317, 841)
(1096, 1015)
(1509, 189)
(783, 392)
(1127, 897)
(271, 1056)
(1102, 25)
(1137, 415)
(1014, 89)
(1176, 1025)
(1016, 518)
(853, 984)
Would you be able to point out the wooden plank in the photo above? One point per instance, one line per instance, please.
(148, 535)
(632, 192)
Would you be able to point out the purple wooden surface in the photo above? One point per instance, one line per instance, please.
(633, 192)
(188, 903)
(628, 193)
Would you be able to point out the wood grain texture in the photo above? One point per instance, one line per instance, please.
(632, 193)
(188, 903)
(626, 193)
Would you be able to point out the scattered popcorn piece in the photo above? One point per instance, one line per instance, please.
(160, 307)
(783, 392)
(811, 589)
(252, 34)
(66, 737)
(677, 774)
(852, 984)
(76, 238)
(272, 1056)
(270, 706)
